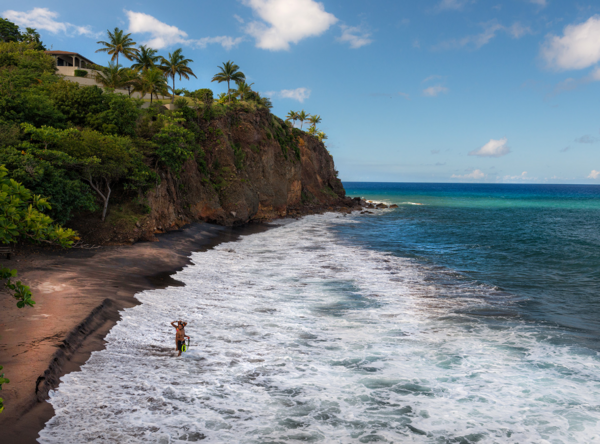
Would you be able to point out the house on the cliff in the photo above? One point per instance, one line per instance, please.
(67, 63)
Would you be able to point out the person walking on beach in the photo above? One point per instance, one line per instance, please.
(180, 335)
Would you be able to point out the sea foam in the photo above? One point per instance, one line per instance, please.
(299, 336)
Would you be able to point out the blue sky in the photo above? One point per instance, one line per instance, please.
(409, 91)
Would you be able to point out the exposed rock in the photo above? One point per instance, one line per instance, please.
(394, 206)
(269, 182)
(382, 206)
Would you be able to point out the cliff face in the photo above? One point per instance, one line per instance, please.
(254, 169)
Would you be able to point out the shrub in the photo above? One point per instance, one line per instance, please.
(240, 156)
(80, 73)
(181, 103)
(203, 94)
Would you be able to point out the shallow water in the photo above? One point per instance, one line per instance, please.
(313, 332)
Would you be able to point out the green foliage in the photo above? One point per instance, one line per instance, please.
(203, 94)
(255, 148)
(176, 65)
(229, 72)
(77, 102)
(175, 144)
(240, 156)
(46, 135)
(80, 73)
(181, 103)
(31, 36)
(25, 75)
(43, 173)
(21, 215)
(118, 43)
(9, 32)
(145, 58)
(119, 117)
(3, 380)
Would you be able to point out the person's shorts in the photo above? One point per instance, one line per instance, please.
(180, 345)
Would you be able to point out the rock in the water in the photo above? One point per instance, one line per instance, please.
(394, 206)
(382, 206)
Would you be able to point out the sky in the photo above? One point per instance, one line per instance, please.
(409, 91)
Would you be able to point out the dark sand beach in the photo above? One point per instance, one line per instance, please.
(78, 295)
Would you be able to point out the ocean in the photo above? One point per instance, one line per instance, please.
(469, 314)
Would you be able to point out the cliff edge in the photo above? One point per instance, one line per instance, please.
(253, 167)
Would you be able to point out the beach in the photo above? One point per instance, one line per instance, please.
(78, 295)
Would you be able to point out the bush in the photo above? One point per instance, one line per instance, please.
(175, 144)
(240, 156)
(64, 190)
(80, 73)
(181, 103)
(203, 94)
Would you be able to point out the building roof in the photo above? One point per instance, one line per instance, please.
(71, 54)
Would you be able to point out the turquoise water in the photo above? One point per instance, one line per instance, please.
(539, 243)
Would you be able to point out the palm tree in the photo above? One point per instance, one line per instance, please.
(243, 89)
(113, 76)
(314, 121)
(152, 81)
(221, 98)
(303, 117)
(146, 58)
(175, 65)
(313, 130)
(118, 44)
(322, 136)
(229, 71)
(292, 115)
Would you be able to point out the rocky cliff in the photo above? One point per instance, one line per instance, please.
(253, 168)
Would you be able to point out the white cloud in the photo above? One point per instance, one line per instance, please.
(494, 148)
(594, 175)
(578, 48)
(44, 19)
(490, 30)
(521, 177)
(238, 18)
(287, 21)
(163, 35)
(474, 175)
(434, 91)
(355, 36)
(225, 41)
(299, 94)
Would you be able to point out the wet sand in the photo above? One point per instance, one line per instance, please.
(79, 294)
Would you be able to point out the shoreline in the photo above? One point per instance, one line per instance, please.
(79, 295)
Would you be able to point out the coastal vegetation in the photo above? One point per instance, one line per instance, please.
(70, 152)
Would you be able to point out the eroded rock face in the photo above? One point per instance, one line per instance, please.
(267, 181)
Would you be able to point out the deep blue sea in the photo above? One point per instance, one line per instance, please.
(540, 244)
(469, 314)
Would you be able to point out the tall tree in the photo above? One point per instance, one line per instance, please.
(9, 32)
(118, 43)
(32, 36)
(153, 82)
(243, 89)
(292, 116)
(176, 65)
(145, 59)
(229, 72)
(113, 76)
(314, 121)
(303, 117)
